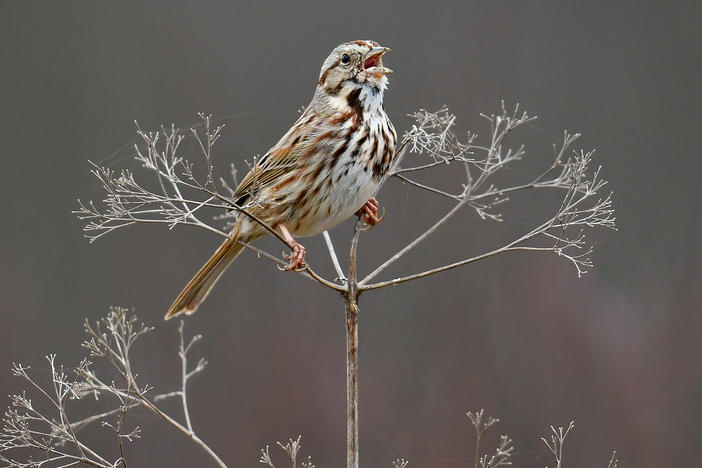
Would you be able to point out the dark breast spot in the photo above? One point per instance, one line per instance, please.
(381, 164)
(375, 148)
(317, 171)
(340, 150)
(354, 102)
(363, 138)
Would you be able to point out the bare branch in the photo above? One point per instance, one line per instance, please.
(181, 195)
(503, 453)
(291, 449)
(172, 194)
(111, 339)
(334, 258)
(583, 205)
(556, 441)
(187, 374)
(176, 191)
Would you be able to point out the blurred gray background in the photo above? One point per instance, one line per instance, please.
(617, 351)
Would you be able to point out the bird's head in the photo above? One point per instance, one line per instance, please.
(355, 63)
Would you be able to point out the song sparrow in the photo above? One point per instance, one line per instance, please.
(325, 168)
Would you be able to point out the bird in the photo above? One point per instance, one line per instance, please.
(323, 170)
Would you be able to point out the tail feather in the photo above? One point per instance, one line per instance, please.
(200, 285)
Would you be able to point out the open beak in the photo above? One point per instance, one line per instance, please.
(373, 62)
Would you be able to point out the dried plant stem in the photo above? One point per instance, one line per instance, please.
(102, 347)
(351, 306)
(511, 247)
(185, 376)
(334, 258)
(185, 430)
(351, 384)
(182, 196)
(412, 244)
(182, 428)
(141, 400)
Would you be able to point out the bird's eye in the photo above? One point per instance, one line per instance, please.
(345, 59)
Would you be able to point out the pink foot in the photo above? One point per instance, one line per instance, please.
(296, 257)
(369, 213)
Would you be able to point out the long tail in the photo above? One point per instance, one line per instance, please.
(199, 287)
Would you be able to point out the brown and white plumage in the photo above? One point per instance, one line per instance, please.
(322, 171)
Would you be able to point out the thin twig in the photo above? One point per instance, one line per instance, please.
(334, 259)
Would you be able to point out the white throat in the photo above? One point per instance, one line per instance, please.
(372, 99)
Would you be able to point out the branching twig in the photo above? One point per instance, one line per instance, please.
(291, 449)
(173, 193)
(582, 206)
(180, 196)
(111, 339)
(556, 441)
(335, 260)
(187, 374)
(503, 452)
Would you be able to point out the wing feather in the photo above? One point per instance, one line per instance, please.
(286, 156)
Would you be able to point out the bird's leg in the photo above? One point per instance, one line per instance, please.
(297, 250)
(369, 213)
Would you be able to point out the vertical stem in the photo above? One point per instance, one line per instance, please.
(477, 453)
(351, 383)
(351, 305)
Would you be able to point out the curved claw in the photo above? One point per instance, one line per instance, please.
(296, 257)
(369, 213)
(375, 220)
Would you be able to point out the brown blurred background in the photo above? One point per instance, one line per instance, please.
(617, 351)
